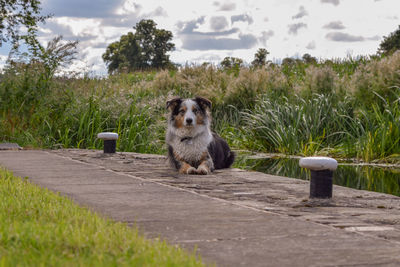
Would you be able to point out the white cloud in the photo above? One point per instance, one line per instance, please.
(334, 25)
(333, 2)
(204, 42)
(218, 23)
(294, 28)
(344, 37)
(265, 35)
(302, 12)
(158, 12)
(242, 17)
(3, 60)
(225, 6)
(311, 45)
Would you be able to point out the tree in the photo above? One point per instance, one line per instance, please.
(288, 61)
(260, 58)
(17, 13)
(57, 54)
(144, 49)
(231, 62)
(390, 43)
(307, 58)
(124, 55)
(49, 59)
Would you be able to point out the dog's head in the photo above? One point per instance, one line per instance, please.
(189, 113)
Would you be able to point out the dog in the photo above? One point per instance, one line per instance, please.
(192, 147)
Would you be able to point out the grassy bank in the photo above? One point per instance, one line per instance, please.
(38, 227)
(343, 108)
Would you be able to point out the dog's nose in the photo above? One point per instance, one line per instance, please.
(189, 121)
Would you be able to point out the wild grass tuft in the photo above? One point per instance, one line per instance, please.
(300, 126)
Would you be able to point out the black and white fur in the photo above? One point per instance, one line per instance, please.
(192, 147)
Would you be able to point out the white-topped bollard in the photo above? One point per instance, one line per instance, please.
(110, 141)
(321, 175)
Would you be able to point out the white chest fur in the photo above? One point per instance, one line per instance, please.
(191, 149)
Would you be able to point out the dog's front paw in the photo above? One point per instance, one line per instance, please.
(191, 170)
(187, 169)
(203, 170)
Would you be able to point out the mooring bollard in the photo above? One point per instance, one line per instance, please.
(110, 141)
(321, 175)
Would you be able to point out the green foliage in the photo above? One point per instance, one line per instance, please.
(379, 78)
(318, 80)
(52, 114)
(17, 13)
(232, 64)
(146, 48)
(260, 58)
(381, 138)
(123, 55)
(390, 43)
(305, 126)
(308, 59)
(55, 55)
(342, 108)
(40, 228)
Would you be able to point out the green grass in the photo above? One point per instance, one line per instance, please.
(40, 228)
(300, 126)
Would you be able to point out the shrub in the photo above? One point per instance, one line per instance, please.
(377, 77)
(318, 80)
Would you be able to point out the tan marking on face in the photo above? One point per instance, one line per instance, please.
(179, 119)
(200, 118)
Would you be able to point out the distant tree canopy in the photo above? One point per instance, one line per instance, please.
(231, 62)
(144, 49)
(390, 43)
(288, 61)
(260, 58)
(307, 58)
(17, 13)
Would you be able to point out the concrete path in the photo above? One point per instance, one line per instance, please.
(233, 217)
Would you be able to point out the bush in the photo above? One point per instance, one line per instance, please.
(378, 78)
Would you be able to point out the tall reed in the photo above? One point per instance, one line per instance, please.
(302, 126)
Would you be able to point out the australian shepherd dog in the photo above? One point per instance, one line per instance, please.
(192, 147)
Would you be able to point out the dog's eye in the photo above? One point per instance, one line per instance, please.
(182, 111)
(195, 110)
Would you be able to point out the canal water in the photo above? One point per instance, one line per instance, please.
(384, 179)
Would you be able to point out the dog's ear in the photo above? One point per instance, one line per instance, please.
(203, 102)
(171, 104)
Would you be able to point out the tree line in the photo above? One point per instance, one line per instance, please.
(145, 48)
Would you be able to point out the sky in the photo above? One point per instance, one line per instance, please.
(210, 30)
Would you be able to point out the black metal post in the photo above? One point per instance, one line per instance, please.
(109, 146)
(321, 184)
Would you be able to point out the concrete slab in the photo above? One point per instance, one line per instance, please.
(233, 217)
(9, 146)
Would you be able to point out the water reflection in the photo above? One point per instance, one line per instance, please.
(372, 178)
